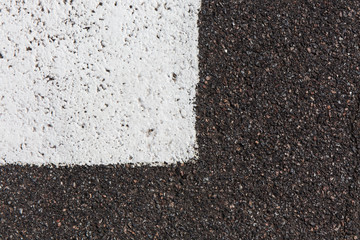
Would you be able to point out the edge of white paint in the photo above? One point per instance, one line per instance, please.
(74, 43)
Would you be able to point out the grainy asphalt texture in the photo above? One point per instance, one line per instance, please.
(278, 121)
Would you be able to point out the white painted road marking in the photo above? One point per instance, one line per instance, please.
(98, 82)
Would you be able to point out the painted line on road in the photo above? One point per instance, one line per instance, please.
(98, 82)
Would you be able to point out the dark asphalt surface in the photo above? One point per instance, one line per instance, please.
(278, 122)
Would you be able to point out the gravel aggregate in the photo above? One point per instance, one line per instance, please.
(278, 124)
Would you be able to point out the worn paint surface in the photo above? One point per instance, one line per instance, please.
(89, 82)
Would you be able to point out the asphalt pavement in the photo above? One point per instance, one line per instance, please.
(278, 130)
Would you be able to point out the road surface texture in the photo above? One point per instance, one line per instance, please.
(278, 128)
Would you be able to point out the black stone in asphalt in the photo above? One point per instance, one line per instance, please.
(278, 122)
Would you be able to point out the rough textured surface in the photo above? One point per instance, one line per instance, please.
(98, 82)
(278, 132)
